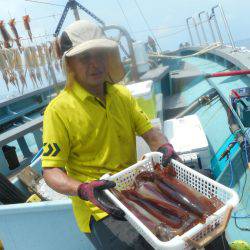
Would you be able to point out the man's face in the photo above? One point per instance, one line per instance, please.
(90, 67)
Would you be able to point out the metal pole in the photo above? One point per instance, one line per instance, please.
(134, 71)
(227, 26)
(75, 10)
(202, 28)
(197, 31)
(216, 24)
(211, 27)
(189, 30)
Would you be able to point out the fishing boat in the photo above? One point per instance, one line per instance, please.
(199, 95)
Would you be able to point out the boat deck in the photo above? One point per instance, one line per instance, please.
(214, 120)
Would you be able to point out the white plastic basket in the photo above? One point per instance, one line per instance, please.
(200, 234)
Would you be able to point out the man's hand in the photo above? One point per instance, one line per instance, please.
(93, 192)
(168, 153)
(158, 142)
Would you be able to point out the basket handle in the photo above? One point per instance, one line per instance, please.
(213, 234)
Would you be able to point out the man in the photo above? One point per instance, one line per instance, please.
(89, 130)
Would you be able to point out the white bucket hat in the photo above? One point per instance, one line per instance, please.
(82, 35)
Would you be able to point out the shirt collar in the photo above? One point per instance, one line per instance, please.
(80, 92)
(83, 94)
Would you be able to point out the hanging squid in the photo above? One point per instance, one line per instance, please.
(12, 24)
(34, 57)
(13, 79)
(30, 66)
(18, 65)
(57, 49)
(42, 61)
(58, 52)
(41, 56)
(54, 54)
(3, 69)
(10, 58)
(39, 75)
(26, 22)
(47, 53)
(49, 61)
(6, 36)
(6, 67)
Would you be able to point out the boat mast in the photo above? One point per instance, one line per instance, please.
(75, 11)
(74, 5)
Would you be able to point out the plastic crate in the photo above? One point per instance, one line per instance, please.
(199, 235)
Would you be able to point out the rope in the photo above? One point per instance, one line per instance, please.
(125, 16)
(159, 29)
(202, 51)
(60, 5)
(146, 22)
(40, 18)
(36, 37)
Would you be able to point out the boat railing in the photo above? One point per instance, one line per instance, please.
(213, 17)
(189, 30)
(196, 29)
(225, 23)
(202, 26)
(18, 134)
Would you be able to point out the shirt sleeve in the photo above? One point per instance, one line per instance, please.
(141, 121)
(55, 140)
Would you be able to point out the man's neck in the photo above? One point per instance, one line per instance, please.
(98, 90)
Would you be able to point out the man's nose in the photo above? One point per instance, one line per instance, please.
(95, 61)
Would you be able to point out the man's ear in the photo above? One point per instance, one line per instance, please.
(69, 63)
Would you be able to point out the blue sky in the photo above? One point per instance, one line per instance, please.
(162, 16)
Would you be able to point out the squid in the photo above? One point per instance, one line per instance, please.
(42, 61)
(9, 64)
(53, 55)
(39, 75)
(150, 192)
(30, 65)
(41, 55)
(5, 78)
(13, 79)
(46, 73)
(3, 68)
(196, 198)
(18, 65)
(160, 212)
(163, 231)
(26, 22)
(33, 78)
(6, 36)
(180, 193)
(12, 24)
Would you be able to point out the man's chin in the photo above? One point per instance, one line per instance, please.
(96, 80)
